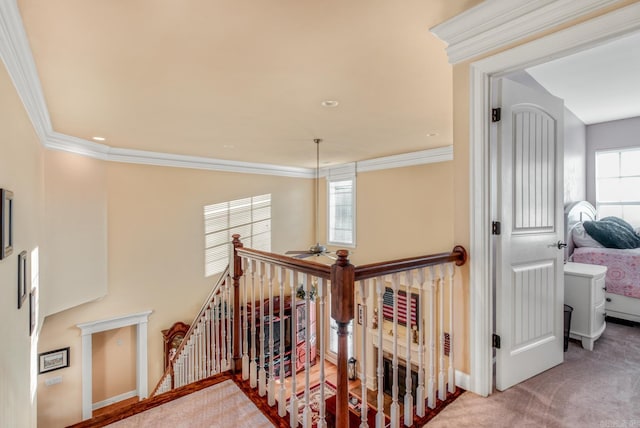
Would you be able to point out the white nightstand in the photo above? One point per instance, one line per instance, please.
(584, 290)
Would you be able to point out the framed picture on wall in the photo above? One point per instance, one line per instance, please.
(6, 223)
(53, 360)
(22, 278)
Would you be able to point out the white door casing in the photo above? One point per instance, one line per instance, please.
(529, 281)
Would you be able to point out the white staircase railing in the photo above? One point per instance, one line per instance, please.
(206, 348)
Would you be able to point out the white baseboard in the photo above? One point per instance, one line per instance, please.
(463, 380)
(116, 399)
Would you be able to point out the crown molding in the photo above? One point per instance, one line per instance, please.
(440, 154)
(197, 162)
(494, 24)
(18, 59)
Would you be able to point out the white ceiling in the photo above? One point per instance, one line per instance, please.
(243, 80)
(598, 85)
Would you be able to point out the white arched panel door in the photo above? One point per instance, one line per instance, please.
(529, 262)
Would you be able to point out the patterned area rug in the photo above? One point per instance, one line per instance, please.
(314, 402)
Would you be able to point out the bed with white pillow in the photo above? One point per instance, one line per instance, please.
(623, 265)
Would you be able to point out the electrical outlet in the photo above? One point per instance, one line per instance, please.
(53, 380)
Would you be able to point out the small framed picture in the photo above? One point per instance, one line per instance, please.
(360, 314)
(53, 360)
(6, 223)
(22, 278)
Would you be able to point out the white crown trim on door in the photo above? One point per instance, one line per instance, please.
(492, 25)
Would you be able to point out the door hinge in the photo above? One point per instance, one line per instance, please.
(495, 114)
(495, 341)
(495, 228)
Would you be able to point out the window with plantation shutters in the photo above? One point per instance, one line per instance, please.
(248, 217)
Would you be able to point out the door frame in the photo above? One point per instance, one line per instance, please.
(610, 26)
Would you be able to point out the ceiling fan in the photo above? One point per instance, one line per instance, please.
(317, 249)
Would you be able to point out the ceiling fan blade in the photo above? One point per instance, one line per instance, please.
(303, 255)
(298, 252)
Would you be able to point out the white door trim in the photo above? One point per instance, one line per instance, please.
(579, 37)
(140, 320)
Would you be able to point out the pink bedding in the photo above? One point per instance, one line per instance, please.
(623, 273)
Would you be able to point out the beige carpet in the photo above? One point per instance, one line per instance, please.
(218, 406)
(590, 389)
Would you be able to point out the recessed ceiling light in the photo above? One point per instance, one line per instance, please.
(98, 138)
(329, 103)
(432, 134)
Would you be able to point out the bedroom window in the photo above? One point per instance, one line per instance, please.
(618, 184)
(250, 217)
(341, 189)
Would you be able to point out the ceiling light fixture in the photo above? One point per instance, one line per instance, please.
(329, 103)
(98, 138)
(432, 134)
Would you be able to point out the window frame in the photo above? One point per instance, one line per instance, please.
(597, 178)
(343, 173)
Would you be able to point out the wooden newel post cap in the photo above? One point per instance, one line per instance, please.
(343, 257)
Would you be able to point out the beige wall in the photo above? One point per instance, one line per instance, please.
(404, 212)
(20, 172)
(114, 362)
(156, 259)
(76, 230)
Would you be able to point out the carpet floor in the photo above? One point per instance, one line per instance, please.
(590, 389)
(218, 406)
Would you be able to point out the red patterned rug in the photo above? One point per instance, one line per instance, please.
(314, 402)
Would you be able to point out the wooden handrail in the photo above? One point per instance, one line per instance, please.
(316, 269)
(457, 255)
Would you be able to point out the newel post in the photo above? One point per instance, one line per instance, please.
(237, 273)
(342, 310)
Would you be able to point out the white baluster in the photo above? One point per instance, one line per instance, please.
(395, 407)
(262, 374)
(306, 415)
(293, 402)
(223, 331)
(420, 397)
(282, 398)
(431, 384)
(271, 396)
(207, 342)
(452, 374)
(253, 366)
(322, 297)
(442, 388)
(408, 395)
(364, 406)
(216, 318)
(211, 349)
(245, 323)
(197, 352)
(380, 288)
